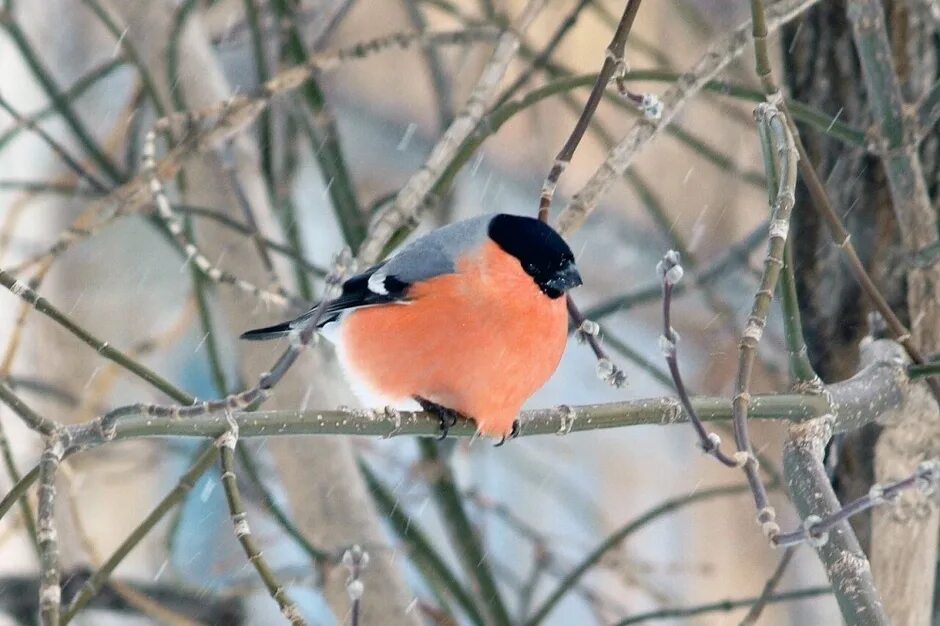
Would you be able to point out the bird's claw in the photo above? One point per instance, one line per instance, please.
(513, 433)
(448, 417)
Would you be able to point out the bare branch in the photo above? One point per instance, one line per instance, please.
(715, 59)
(226, 444)
(50, 588)
(846, 565)
(613, 59)
(410, 200)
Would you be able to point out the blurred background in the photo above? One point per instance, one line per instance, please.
(345, 142)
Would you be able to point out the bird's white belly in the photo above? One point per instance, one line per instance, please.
(368, 395)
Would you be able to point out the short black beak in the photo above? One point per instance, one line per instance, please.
(567, 278)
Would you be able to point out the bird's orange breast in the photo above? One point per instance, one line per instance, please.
(480, 341)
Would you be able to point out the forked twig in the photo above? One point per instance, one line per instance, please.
(613, 62)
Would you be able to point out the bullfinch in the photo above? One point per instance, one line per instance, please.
(467, 321)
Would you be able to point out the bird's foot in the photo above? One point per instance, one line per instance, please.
(513, 433)
(447, 416)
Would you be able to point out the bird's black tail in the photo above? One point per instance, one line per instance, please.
(269, 332)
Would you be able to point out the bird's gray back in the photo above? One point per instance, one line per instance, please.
(435, 253)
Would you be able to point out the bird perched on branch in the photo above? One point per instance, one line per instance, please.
(467, 321)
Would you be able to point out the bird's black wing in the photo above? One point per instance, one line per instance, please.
(388, 282)
(370, 288)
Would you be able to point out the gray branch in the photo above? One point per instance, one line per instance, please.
(842, 556)
(876, 393)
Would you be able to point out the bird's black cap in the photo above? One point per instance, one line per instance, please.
(543, 253)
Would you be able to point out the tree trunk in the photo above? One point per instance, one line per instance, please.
(823, 70)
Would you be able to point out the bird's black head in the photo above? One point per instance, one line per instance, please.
(544, 255)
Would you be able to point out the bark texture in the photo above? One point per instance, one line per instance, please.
(822, 69)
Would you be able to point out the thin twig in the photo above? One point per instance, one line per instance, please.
(324, 137)
(437, 70)
(97, 580)
(467, 541)
(613, 60)
(670, 272)
(801, 369)
(57, 147)
(234, 181)
(411, 198)
(72, 94)
(712, 62)
(228, 222)
(924, 478)
(617, 537)
(31, 418)
(770, 587)
(102, 347)
(736, 254)
(225, 119)
(783, 201)
(820, 196)
(61, 102)
(723, 606)
(175, 226)
(94, 583)
(607, 370)
(545, 54)
(589, 331)
(317, 555)
(421, 552)
(928, 110)
(26, 510)
(266, 128)
(226, 444)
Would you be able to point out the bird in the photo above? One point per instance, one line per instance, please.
(466, 321)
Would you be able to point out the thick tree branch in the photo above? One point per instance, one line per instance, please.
(846, 565)
(874, 393)
(904, 540)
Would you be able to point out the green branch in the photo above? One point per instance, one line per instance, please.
(618, 536)
(72, 94)
(100, 346)
(435, 570)
(324, 138)
(174, 497)
(59, 100)
(463, 535)
(723, 606)
(780, 160)
(382, 423)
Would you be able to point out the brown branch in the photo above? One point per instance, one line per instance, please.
(411, 199)
(770, 587)
(206, 128)
(613, 62)
(674, 100)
